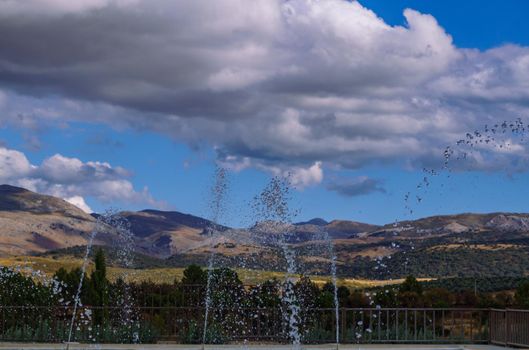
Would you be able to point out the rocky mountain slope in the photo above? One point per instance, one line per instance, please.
(31, 222)
(495, 243)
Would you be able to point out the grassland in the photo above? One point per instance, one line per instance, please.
(48, 266)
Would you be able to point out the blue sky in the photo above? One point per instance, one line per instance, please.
(472, 23)
(354, 136)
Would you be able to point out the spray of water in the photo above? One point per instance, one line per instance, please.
(272, 206)
(334, 280)
(124, 239)
(77, 298)
(218, 196)
(112, 222)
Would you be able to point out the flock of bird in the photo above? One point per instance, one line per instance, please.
(489, 140)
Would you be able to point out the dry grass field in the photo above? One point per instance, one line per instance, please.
(48, 266)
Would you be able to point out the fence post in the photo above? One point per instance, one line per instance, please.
(344, 324)
(507, 327)
(490, 325)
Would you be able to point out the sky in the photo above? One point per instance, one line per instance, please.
(132, 104)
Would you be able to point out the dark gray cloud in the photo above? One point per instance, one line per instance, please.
(103, 140)
(355, 187)
(284, 86)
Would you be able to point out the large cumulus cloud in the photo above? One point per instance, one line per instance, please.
(72, 179)
(285, 86)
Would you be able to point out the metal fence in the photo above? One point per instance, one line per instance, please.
(509, 327)
(425, 325)
(227, 325)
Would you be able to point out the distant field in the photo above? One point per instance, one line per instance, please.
(48, 266)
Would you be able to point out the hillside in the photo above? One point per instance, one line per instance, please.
(163, 234)
(494, 244)
(31, 222)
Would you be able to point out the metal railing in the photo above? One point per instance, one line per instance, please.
(184, 325)
(509, 327)
(417, 325)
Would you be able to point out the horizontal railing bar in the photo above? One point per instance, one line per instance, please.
(509, 310)
(255, 308)
(400, 325)
(419, 309)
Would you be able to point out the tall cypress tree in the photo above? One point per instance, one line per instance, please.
(99, 288)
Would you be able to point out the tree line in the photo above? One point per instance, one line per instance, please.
(228, 289)
(146, 311)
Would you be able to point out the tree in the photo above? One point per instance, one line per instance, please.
(343, 295)
(99, 291)
(358, 299)
(265, 295)
(19, 290)
(522, 295)
(326, 297)
(410, 293)
(386, 298)
(226, 289)
(410, 299)
(194, 275)
(438, 298)
(70, 281)
(503, 299)
(307, 292)
(468, 298)
(411, 285)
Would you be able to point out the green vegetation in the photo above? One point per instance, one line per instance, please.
(457, 262)
(120, 311)
(432, 258)
(479, 284)
(522, 295)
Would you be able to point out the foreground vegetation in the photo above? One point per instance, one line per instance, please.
(436, 257)
(49, 265)
(111, 310)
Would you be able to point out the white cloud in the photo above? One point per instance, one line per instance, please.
(307, 177)
(79, 202)
(72, 179)
(299, 177)
(66, 170)
(13, 164)
(278, 85)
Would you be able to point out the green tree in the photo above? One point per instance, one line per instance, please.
(468, 298)
(410, 293)
(99, 288)
(265, 295)
(386, 298)
(19, 290)
(70, 283)
(410, 299)
(226, 289)
(438, 297)
(307, 292)
(194, 275)
(522, 295)
(411, 285)
(358, 298)
(326, 297)
(343, 295)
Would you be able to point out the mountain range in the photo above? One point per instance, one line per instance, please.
(449, 245)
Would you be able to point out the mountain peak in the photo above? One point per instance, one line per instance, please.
(7, 189)
(315, 221)
(16, 199)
